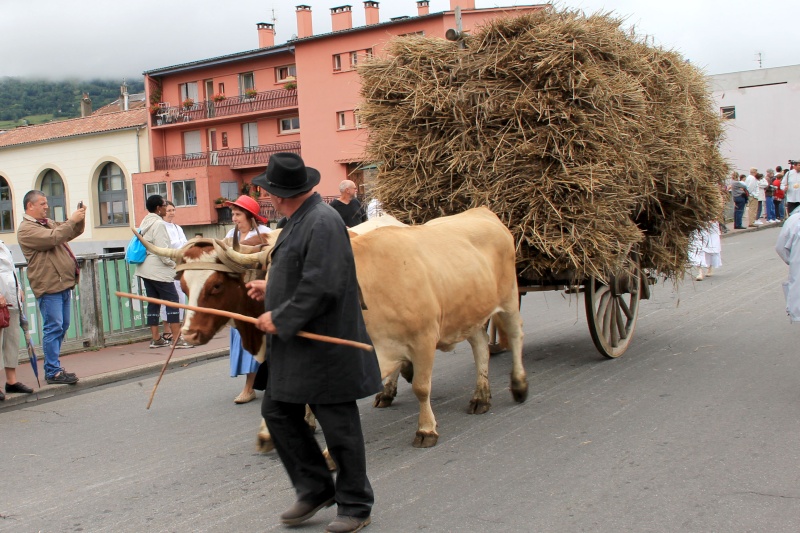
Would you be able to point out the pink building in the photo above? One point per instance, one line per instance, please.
(215, 122)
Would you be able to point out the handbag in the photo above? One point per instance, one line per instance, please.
(136, 253)
(5, 316)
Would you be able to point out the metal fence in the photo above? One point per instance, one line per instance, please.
(99, 317)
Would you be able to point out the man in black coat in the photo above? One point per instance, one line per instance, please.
(312, 287)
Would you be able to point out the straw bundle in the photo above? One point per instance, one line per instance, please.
(584, 140)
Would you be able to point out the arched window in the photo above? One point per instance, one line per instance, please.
(53, 189)
(6, 207)
(113, 196)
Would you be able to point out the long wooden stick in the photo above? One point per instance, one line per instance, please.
(244, 318)
(163, 369)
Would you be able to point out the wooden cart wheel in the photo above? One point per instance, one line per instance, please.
(612, 310)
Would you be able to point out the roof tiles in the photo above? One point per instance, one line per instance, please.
(63, 129)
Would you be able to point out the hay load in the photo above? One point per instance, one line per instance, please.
(587, 142)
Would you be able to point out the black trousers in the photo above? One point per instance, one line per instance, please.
(303, 459)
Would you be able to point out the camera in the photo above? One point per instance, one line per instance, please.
(80, 204)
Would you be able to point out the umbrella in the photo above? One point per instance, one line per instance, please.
(23, 323)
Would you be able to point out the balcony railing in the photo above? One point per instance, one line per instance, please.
(234, 105)
(234, 158)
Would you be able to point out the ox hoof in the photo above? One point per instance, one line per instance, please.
(478, 407)
(329, 460)
(382, 400)
(264, 443)
(519, 392)
(425, 439)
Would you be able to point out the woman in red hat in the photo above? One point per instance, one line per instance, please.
(249, 224)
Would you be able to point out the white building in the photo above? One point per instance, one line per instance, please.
(762, 112)
(88, 159)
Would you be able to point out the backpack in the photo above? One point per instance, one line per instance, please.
(136, 253)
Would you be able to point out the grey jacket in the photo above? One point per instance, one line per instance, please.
(156, 268)
(312, 287)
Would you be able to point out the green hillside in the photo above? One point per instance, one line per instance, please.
(37, 100)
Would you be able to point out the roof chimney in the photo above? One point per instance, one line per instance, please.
(371, 12)
(341, 18)
(124, 103)
(463, 4)
(86, 105)
(304, 28)
(422, 7)
(266, 34)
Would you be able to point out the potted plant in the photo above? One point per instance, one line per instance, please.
(220, 201)
(250, 93)
(290, 85)
(188, 103)
(219, 97)
(154, 108)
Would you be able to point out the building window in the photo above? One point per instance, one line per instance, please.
(356, 119)
(229, 190)
(6, 207)
(221, 88)
(224, 139)
(188, 91)
(337, 63)
(353, 59)
(368, 53)
(290, 125)
(159, 188)
(184, 193)
(192, 149)
(250, 136)
(247, 82)
(284, 73)
(728, 113)
(341, 119)
(53, 189)
(113, 196)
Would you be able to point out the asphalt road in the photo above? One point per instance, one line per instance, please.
(693, 429)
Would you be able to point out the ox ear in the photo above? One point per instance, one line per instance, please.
(172, 253)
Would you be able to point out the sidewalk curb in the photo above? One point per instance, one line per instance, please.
(90, 382)
(732, 232)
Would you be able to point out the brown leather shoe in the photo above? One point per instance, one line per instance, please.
(300, 511)
(347, 524)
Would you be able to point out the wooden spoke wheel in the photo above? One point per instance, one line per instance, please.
(612, 310)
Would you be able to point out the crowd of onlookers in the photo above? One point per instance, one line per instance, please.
(763, 198)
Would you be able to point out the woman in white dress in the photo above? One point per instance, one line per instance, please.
(10, 295)
(705, 250)
(177, 238)
(249, 224)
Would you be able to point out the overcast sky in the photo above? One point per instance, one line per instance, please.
(114, 39)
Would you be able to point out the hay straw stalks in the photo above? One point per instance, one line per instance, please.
(585, 141)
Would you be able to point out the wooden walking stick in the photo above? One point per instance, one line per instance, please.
(163, 369)
(245, 318)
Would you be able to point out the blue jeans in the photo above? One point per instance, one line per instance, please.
(779, 208)
(55, 309)
(738, 212)
(770, 205)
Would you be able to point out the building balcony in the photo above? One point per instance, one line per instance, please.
(229, 107)
(252, 156)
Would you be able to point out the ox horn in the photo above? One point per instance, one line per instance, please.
(246, 260)
(172, 253)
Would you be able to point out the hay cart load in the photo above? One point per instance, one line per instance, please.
(596, 149)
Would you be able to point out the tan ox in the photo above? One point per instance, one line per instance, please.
(433, 286)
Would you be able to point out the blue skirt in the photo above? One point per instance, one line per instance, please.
(242, 361)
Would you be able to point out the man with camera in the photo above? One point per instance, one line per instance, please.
(52, 274)
(791, 185)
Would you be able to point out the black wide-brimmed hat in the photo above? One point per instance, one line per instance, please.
(287, 175)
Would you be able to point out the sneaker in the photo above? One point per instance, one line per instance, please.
(758, 223)
(167, 337)
(160, 343)
(183, 344)
(62, 379)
